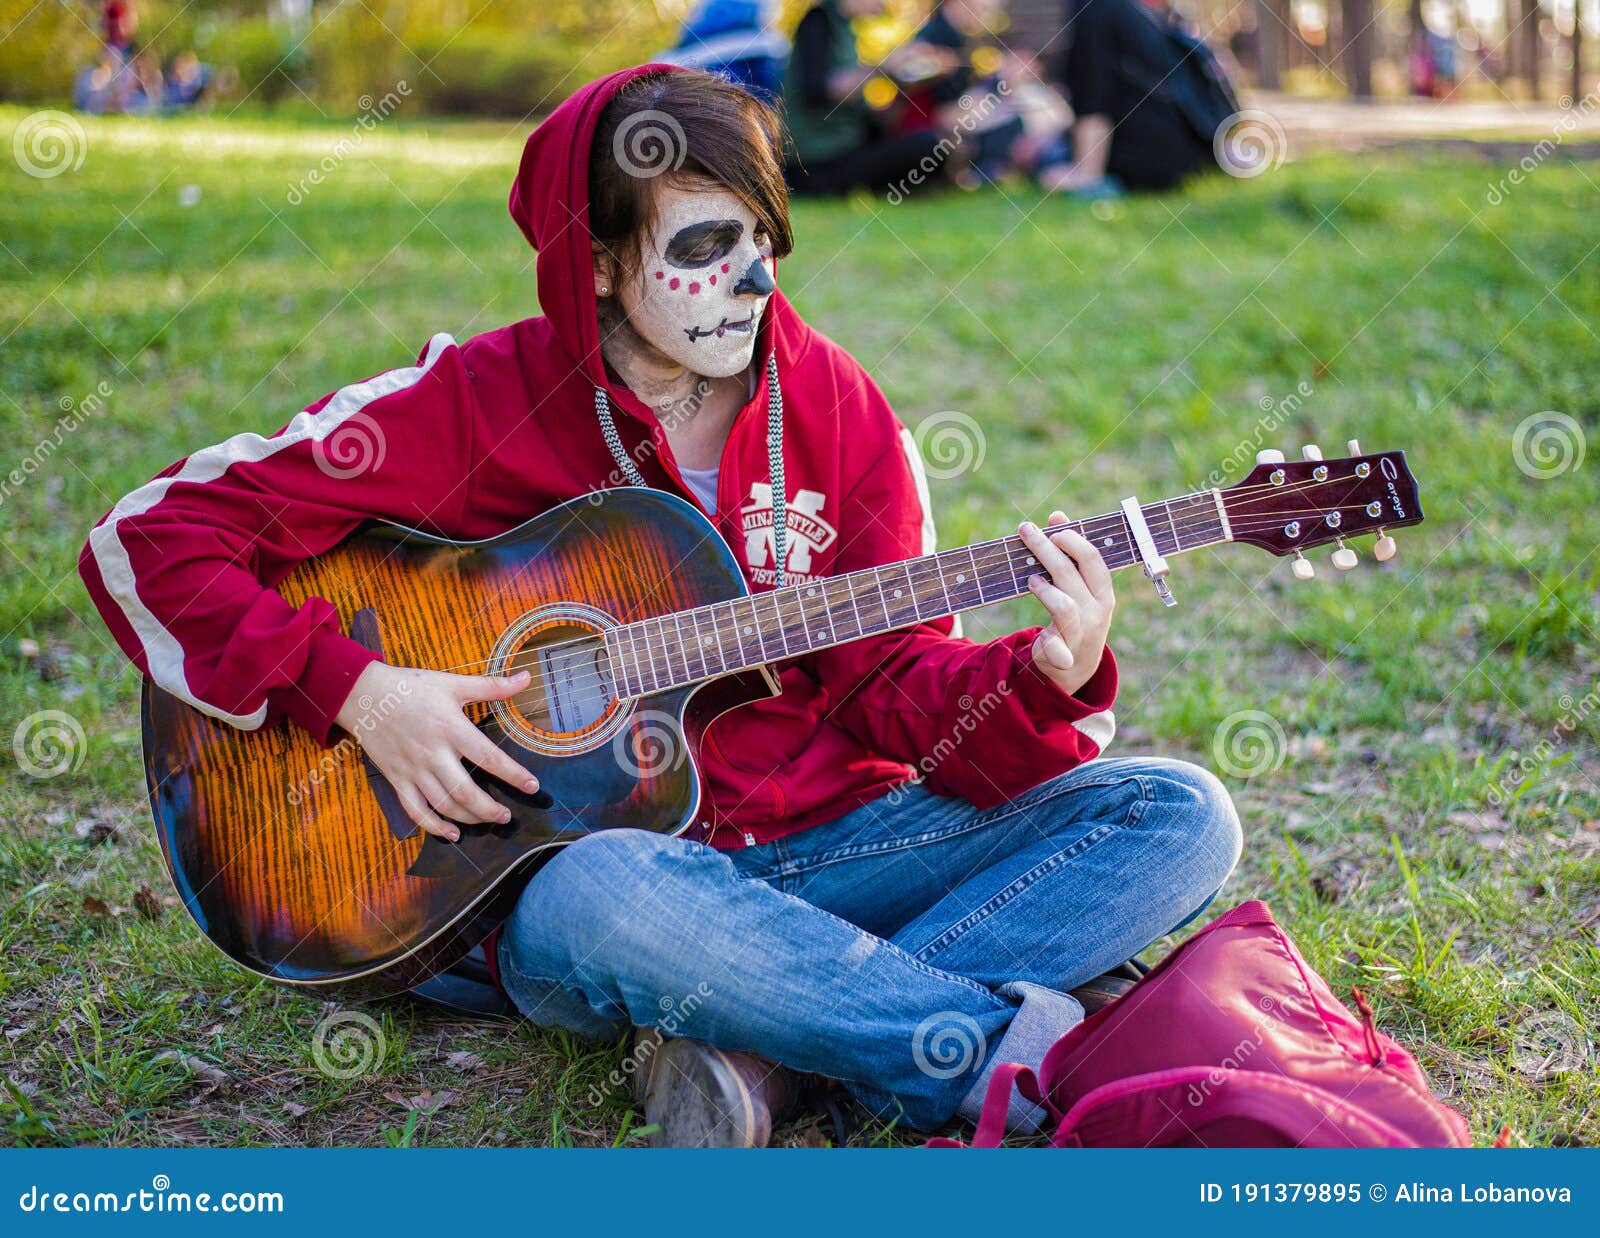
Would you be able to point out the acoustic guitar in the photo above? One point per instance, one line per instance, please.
(638, 628)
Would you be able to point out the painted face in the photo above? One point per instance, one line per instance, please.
(703, 279)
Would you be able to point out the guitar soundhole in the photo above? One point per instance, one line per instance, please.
(570, 705)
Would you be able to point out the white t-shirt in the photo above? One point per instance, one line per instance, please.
(702, 484)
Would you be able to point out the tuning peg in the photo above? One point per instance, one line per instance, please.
(1344, 558)
(1384, 548)
(1353, 447)
(1303, 567)
(1269, 455)
(1311, 452)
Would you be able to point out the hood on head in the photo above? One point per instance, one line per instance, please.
(550, 203)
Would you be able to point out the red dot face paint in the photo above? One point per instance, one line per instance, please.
(724, 268)
(713, 281)
(661, 275)
(673, 282)
(693, 288)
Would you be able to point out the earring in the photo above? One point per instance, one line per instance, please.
(605, 290)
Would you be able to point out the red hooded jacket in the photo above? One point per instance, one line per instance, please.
(477, 438)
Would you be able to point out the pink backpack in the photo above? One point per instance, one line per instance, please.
(1230, 1041)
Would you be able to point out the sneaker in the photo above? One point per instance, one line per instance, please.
(699, 1096)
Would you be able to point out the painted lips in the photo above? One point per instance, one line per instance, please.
(722, 328)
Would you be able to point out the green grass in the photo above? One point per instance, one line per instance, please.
(1431, 833)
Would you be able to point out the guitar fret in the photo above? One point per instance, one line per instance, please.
(789, 622)
(699, 643)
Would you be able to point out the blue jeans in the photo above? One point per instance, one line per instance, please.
(885, 948)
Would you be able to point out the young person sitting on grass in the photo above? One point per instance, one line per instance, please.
(826, 914)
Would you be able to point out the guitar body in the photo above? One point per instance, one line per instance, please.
(298, 862)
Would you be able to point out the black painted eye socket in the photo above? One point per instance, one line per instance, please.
(701, 244)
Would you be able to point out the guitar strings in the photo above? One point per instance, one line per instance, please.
(669, 644)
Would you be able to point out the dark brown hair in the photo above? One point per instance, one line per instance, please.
(677, 127)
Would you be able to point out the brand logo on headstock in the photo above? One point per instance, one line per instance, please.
(1387, 467)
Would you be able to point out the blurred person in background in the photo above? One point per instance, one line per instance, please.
(838, 142)
(735, 39)
(1147, 98)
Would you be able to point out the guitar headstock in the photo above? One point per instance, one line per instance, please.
(1287, 507)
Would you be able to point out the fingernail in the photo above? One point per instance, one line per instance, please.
(531, 785)
(1028, 527)
(505, 816)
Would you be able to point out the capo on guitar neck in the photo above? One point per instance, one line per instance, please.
(1155, 566)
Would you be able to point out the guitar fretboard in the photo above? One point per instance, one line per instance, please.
(686, 647)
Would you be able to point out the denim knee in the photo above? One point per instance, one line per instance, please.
(599, 902)
(1212, 836)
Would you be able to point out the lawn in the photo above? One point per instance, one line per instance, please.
(1412, 745)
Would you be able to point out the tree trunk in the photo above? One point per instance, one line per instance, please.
(1269, 44)
(1357, 19)
(1577, 51)
(1530, 45)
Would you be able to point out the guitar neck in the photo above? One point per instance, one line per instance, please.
(686, 647)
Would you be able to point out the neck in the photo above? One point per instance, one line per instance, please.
(649, 373)
(675, 650)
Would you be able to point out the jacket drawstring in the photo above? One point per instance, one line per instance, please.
(780, 495)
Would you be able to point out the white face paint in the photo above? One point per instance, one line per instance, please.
(703, 278)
